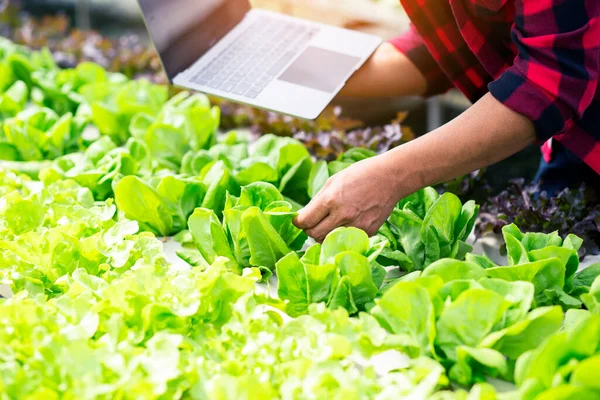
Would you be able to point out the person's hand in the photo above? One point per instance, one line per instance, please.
(362, 196)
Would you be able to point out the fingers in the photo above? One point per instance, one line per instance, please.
(336, 218)
(311, 215)
(320, 231)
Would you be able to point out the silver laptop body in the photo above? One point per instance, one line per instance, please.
(252, 56)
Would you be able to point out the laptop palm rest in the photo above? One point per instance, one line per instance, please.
(320, 69)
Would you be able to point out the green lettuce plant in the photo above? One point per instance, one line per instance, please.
(426, 227)
(282, 161)
(13, 100)
(113, 105)
(39, 134)
(256, 230)
(565, 364)
(546, 260)
(474, 325)
(184, 123)
(161, 206)
(342, 272)
(47, 234)
(99, 166)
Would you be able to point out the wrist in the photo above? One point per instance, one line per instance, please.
(403, 174)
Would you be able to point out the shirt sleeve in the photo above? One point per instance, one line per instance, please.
(554, 77)
(412, 45)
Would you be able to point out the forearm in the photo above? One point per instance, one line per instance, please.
(486, 133)
(388, 73)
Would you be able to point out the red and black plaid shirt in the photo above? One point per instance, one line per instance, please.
(540, 58)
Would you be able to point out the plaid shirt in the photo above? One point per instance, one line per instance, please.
(540, 58)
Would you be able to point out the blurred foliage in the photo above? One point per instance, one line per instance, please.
(326, 137)
(472, 186)
(70, 46)
(575, 211)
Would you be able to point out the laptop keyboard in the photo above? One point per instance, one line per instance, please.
(256, 57)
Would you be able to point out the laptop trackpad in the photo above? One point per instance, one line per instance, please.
(320, 69)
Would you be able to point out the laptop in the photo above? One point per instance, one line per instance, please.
(252, 56)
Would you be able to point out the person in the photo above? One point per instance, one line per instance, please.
(531, 69)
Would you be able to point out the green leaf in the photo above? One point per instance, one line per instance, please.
(586, 374)
(473, 364)
(357, 268)
(312, 255)
(343, 239)
(322, 279)
(266, 246)
(218, 181)
(140, 202)
(419, 202)
(466, 221)
(210, 237)
(562, 299)
(443, 217)
(317, 178)
(568, 257)
(259, 194)
(516, 252)
(566, 392)
(527, 334)
(592, 299)
(293, 284)
(519, 294)
(584, 279)
(449, 270)
(406, 308)
(482, 260)
(257, 172)
(545, 274)
(342, 296)
(469, 319)
(406, 226)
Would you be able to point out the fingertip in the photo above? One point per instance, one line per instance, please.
(311, 215)
(299, 219)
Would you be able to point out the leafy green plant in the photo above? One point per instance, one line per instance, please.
(101, 164)
(40, 134)
(565, 364)
(185, 123)
(256, 230)
(46, 235)
(549, 262)
(93, 287)
(423, 227)
(591, 299)
(113, 104)
(283, 162)
(474, 325)
(426, 227)
(13, 100)
(162, 206)
(342, 272)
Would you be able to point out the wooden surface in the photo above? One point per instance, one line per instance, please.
(365, 15)
(384, 17)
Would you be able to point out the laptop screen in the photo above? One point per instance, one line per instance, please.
(184, 30)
